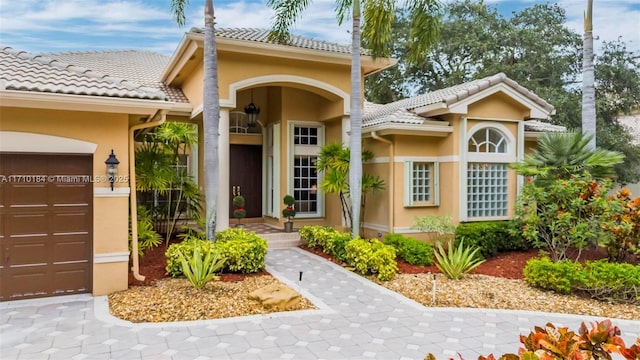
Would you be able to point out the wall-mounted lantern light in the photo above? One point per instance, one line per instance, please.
(112, 168)
(252, 112)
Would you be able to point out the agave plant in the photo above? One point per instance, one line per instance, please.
(457, 261)
(200, 271)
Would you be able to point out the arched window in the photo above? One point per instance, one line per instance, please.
(488, 140)
(489, 152)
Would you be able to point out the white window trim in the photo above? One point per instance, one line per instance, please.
(467, 157)
(308, 152)
(275, 153)
(408, 185)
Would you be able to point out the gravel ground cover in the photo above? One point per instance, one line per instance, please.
(164, 299)
(176, 300)
(482, 291)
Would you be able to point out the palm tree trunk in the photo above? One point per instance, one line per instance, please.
(588, 80)
(355, 141)
(211, 120)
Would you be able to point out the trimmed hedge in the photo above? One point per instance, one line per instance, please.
(413, 251)
(244, 251)
(367, 257)
(491, 237)
(372, 257)
(599, 279)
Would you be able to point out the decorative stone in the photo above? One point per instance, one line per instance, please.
(277, 296)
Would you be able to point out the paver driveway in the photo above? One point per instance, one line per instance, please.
(356, 319)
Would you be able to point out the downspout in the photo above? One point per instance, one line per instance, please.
(162, 114)
(392, 166)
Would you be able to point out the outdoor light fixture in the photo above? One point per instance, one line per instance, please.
(252, 112)
(112, 168)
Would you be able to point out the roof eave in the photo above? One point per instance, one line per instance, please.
(55, 101)
(533, 135)
(185, 50)
(408, 129)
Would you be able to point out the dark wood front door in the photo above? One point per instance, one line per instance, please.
(246, 178)
(46, 224)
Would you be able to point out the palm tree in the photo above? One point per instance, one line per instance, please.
(588, 79)
(334, 162)
(561, 155)
(376, 32)
(210, 111)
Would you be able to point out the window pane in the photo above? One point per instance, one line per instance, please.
(421, 180)
(305, 176)
(487, 190)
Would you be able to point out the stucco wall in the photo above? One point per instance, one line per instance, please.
(498, 105)
(235, 67)
(110, 214)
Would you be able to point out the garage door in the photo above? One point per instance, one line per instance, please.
(45, 225)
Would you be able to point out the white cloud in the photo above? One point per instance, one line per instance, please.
(611, 19)
(54, 25)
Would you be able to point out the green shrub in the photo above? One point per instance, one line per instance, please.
(174, 268)
(491, 237)
(316, 235)
(201, 266)
(565, 214)
(372, 257)
(335, 245)
(413, 251)
(458, 260)
(600, 279)
(562, 276)
(612, 282)
(244, 251)
(441, 225)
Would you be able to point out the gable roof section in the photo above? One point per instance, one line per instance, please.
(446, 97)
(140, 67)
(24, 72)
(255, 42)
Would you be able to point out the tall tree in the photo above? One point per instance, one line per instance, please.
(588, 79)
(539, 51)
(378, 16)
(210, 110)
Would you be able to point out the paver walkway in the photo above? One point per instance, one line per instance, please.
(356, 320)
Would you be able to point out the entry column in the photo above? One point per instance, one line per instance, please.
(222, 211)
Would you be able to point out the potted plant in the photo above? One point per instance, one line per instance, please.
(239, 212)
(289, 212)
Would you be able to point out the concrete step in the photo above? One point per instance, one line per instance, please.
(282, 240)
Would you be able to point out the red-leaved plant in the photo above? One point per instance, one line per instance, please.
(551, 343)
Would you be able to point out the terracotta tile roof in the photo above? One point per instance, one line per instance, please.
(632, 123)
(38, 73)
(262, 35)
(140, 67)
(449, 96)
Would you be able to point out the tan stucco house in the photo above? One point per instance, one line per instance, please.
(63, 226)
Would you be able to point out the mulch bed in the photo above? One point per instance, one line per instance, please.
(154, 262)
(507, 265)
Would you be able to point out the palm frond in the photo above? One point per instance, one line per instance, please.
(376, 30)
(287, 13)
(178, 10)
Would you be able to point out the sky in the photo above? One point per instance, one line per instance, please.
(85, 25)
